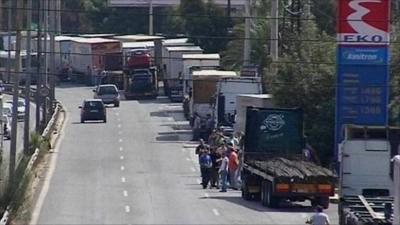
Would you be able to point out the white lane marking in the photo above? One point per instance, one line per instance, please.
(120, 140)
(117, 114)
(198, 181)
(215, 211)
(119, 119)
(188, 159)
(123, 179)
(121, 157)
(122, 168)
(125, 193)
(119, 125)
(127, 209)
(121, 149)
(192, 169)
(206, 195)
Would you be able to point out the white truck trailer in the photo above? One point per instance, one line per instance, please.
(366, 187)
(244, 101)
(227, 91)
(173, 78)
(197, 61)
(204, 90)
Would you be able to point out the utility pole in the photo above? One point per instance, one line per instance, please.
(274, 34)
(40, 63)
(17, 70)
(229, 8)
(28, 77)
(53, 72)
(247, 41)
(46, 64)
(151, 29)
(9, 25)
(58, 13)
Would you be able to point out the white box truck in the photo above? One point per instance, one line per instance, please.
(227, 91)
(173, 78)
(196, 62)
(244, 101)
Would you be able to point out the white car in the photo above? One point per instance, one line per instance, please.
(20, 108)
(7, 109)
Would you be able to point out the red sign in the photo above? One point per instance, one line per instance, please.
(363, 22)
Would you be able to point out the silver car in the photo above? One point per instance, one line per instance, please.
(108, 93)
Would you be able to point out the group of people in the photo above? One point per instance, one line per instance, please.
(219, 161)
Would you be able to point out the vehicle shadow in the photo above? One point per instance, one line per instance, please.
(256, 205)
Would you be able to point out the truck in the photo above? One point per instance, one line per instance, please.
(366, 186)
(87, 57)
(140, 76)
(272, 165)
(195, 62)
(204, 89)
(227, 91)
(173, 78)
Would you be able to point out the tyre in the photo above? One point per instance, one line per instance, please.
(105, 120)
(116, 104)
(272, 201)
(245, 193)
(82, 120)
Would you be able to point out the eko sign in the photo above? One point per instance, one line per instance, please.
(363, 22)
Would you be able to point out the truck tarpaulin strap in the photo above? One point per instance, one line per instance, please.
(396, 176)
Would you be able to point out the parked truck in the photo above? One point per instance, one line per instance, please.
(140, 76)
(227, 91)
(366, 186)
(173, 78)
(196, 62)
(204, 90)
(273, 167)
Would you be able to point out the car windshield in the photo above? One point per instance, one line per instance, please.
(107, 90)
(93, 105)
(21, 103)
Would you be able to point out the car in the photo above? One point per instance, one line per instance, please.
(93, 109)
(7, 109)
(6, 127)
(20, 108)
(108, 93)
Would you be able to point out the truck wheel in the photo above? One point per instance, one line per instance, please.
(245, 193)
(263, 194)
(272, 201)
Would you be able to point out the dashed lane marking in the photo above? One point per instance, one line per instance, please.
(123, 179)
(125, 193)
(119, 125)
(215, 211)
(127, 209)
(121, 157)
(122, 168)
(120, 140)
(121, 149)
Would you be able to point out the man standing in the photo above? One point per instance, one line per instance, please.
(233, 166)
(205, 168)
(319, 218)
(223, 171)
(196, 126)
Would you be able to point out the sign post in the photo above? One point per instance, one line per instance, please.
(362, 93)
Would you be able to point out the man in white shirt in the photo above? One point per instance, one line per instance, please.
(319, 218)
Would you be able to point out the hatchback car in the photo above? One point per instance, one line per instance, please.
(93, 109)
(108, 93)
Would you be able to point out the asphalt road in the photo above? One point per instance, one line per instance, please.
(139, 168)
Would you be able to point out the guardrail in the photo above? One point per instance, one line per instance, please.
(46, 134)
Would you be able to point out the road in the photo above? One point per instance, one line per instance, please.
(139, 168)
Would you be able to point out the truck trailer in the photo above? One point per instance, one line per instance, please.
(273, 167)
(366, 186)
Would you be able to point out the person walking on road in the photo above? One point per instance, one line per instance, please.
(216, 163)
(205, 168)
(319, 218)
(223, 171)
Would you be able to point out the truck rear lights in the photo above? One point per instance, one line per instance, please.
(282, 187)
(324, 188)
